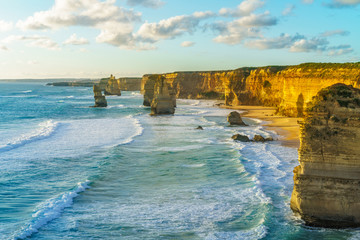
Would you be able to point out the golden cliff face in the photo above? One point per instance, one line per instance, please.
(114, 86)
(327, 181)
(288, 88)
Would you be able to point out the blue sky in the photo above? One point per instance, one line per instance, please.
(96, 38)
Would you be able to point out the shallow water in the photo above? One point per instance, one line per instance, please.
(73, 172)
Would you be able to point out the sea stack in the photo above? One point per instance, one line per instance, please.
(113, 87)
(162, 102)
(327, 181)
(100, 100)
(234, 118)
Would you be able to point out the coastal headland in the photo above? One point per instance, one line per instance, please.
(287, 88)
(327, 95)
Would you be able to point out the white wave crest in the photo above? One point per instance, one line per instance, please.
(46, 129)
(50, 210)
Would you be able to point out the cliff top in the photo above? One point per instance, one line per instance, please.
(303, 68)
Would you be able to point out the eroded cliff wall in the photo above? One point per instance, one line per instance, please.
(114, 86)
(327, 181)
(289, 88)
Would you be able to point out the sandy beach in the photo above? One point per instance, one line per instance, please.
(287, 128)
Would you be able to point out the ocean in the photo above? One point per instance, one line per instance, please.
(68, 171)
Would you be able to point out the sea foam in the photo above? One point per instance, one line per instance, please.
(50, 210)
(45, 130)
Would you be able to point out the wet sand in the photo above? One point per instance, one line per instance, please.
(287, 128)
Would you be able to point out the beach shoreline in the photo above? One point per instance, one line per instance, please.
(286, 127)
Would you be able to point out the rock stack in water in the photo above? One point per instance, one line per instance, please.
(149, 88)
(113, 87)
(100, 100)
(162, 102)
(234, 118)
(327, 182)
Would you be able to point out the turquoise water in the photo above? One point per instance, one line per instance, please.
(68, 171)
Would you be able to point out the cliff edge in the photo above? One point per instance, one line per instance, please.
(288, 88)
(327, 181)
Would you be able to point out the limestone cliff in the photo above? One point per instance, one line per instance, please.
(163, 102)
(100, 100)
(327, 182)
(113, 86)
(149, 88)
(289, 88)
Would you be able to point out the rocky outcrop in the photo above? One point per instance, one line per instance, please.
(234, 118)
(77, 83)
(162, 102)
(100, 100)
(150, 88)
(327, 181)
(241, 138)
(288, 88)
(112, 87)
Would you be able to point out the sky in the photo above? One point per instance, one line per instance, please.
(129, 38)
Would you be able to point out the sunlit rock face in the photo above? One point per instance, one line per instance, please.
(151, 85)
(162, 102)
(288, 88)
(112, 87)
(327, 181)
(100, 100)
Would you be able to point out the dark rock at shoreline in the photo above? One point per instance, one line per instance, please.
(234, 118)
(199, 128)
(259, 138)
(241, 138)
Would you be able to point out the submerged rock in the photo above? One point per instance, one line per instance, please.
(327, 181)
(163, 102)
(234, 118)
(100, 100)
(241, 138)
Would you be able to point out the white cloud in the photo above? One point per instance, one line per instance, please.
(288, 10)
(187, 44)
(308, 1)
(75, 40)
(78, 13)
(299, 43)
(334, 33)
(34, 41)
(171, 27)
(257, 20)
(5, 26)
(32, 62)
(309, 45)
(115, 23)
(242, 28)
(3, 48)
(340, 50)
(343, 3)
(146, 3)
(245, 8)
